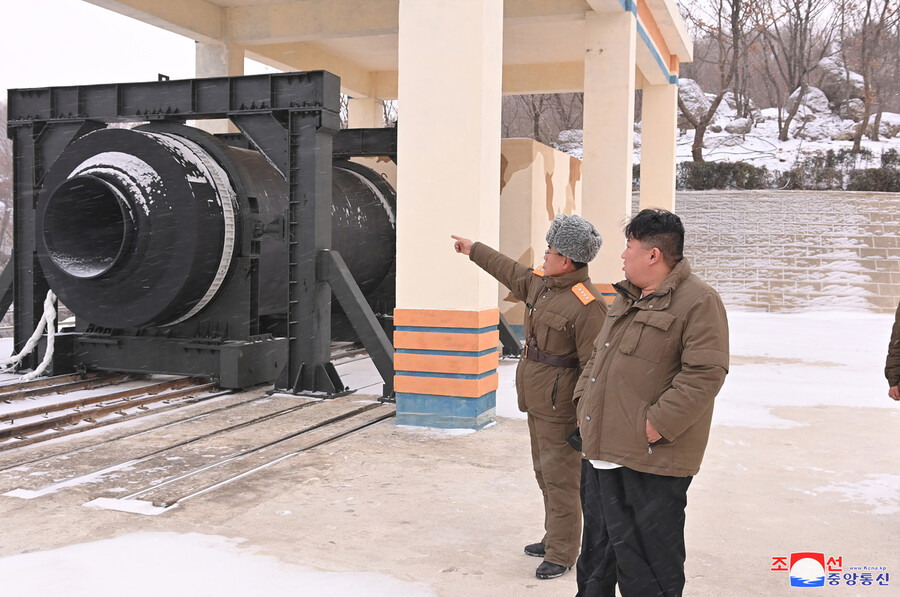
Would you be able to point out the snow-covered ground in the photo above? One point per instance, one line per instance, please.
(761, 147)
(195, 565)
(815, 358)
(811, 133)
(809, 360)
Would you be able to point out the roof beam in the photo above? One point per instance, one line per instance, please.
(356, 81)
(197, 19)
(544, 10)
(670, 23)
(305, 20)
(666, 19)
(566, 77)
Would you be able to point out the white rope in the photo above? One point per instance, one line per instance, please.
(47, 321)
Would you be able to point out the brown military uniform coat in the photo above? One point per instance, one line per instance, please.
(562, 325)
(892, 365)
(661, 358)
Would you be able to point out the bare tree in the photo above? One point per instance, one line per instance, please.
(389, 113)
(875, 21)
(798, 35)
(723, 22)
(542, 116)
(345, 111)
(889, 76)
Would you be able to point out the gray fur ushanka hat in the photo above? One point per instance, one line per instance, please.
(574, 237)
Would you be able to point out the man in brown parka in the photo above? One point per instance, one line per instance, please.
(564, 313)
(645, 404)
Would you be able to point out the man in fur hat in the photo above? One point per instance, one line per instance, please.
(564, 313)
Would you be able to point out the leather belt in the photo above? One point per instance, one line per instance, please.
(533, 353)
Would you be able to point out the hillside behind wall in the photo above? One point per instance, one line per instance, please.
(792, 250)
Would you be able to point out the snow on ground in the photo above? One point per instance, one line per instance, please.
(196, 565)
(814, 358)
(831, 358)
(881, 492)
(761, 147)
(796, 359)
(810, 134)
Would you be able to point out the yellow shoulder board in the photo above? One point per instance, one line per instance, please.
(539, 271)
(584, 295)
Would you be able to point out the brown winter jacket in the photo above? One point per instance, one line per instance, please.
(892, 365)
(561, 324)
(662, 358)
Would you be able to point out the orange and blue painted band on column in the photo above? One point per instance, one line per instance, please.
(445, 366)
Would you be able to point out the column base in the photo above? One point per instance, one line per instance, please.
(446, 367)
(446, 412)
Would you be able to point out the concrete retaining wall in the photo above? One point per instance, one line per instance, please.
(791, 250)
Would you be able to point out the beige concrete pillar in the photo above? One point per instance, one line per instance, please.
(218, 60)
(659, 108)
(537, 183)
(450, 65)
(609, 68)
(364, 113)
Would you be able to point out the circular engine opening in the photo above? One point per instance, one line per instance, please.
(87, 226)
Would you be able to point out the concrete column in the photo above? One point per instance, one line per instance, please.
(609, 68)
(218, 60)
(364, 113)
(450, 65)
(658, 142)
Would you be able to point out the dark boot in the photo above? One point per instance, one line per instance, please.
(549, 570)
(535, 549)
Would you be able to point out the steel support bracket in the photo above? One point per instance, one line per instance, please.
(331, 266)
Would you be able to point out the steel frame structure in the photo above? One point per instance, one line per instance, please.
(292, 119)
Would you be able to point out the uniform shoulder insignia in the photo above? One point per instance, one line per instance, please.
(584, 295)
(539, 271)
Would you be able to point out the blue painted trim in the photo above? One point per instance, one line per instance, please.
(630, 6)
(411, 328)
(446, 375)
(445, 353)
(448, 412)
(652, 47)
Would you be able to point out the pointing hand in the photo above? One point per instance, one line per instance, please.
(462, 245)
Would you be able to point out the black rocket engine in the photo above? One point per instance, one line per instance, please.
(151, 231)
(238, 257)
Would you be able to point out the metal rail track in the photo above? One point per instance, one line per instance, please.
(138, 433)
(243, 471)
(59, 419)
(190, 483)
(169, 502)
(34, 422)
(147, 455)
(60, 384)
(82, 402)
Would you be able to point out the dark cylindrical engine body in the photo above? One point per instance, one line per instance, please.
(142, 228)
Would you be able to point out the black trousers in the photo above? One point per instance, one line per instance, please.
(633, 533)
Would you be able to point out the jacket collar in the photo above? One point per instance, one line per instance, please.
(566, 280)
(678, 274)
